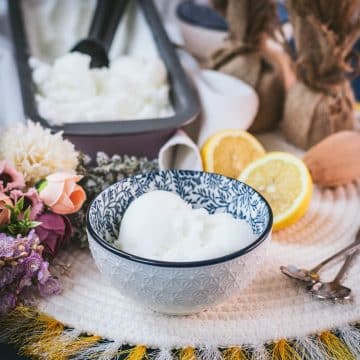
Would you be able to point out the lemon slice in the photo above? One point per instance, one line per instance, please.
(228, 152)
(285, 182)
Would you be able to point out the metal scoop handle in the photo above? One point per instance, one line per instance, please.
(105, 21)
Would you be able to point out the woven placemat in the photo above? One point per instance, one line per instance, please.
(273, 307)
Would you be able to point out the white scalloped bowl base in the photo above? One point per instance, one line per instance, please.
(179, 291)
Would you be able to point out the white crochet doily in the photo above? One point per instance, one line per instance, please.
(272, 307)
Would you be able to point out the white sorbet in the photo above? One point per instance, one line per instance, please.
(131, 88)
(160, 225)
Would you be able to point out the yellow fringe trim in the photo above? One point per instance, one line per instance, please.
(234, 353)
(336, 348)
(137, 353)
(282, 350)
(55, 349)
(187, 354)
(40, 336)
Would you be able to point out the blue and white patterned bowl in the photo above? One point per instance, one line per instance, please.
(179, 287)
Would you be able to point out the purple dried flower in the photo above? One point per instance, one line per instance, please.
(32, 237)
(32, 264)
(43, 274)
(24, 282)
(6, 276)
(7, 302)
(51, 287)
(21, 245)
(25, 244)
(29, 240)
(18, 270)
(6, 245)
(27, 275)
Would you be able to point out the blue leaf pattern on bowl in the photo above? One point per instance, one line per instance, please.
(213, 192)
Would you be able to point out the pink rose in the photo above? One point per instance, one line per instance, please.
(10, 178)
(61, 193)
(4, 211)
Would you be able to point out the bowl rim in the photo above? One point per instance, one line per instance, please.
(183, 19)
(180, 264)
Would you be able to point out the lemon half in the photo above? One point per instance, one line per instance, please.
(228, 152)
(285, 182)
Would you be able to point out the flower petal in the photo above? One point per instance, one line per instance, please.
(50, 221)
(15, 179)
(6, 199)
(64, 206)
(78, 197)
(63, 176)
(51, 194)
(69, 186)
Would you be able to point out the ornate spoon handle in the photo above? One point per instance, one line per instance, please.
(345, 251)
(345, 266)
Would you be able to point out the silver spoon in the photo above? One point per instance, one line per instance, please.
(312, 276)
(333, 290)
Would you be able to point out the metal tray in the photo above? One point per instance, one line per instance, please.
(142, 137)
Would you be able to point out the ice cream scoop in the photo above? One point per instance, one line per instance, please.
(107, 15)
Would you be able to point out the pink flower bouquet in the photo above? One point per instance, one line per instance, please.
(34, 224)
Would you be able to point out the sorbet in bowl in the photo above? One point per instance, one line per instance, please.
(184, 284)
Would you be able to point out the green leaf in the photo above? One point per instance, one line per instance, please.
(41, 185)
(20, 223)
(20, 204)
(27, 213)
(34, 224)
(12, 229)
(13, 215)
